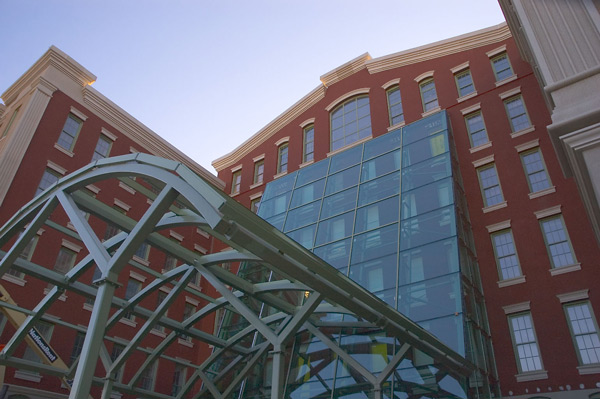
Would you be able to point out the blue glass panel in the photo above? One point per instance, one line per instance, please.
(449, 330)
(380, 166)
(336, 254)
(375, 244)
(423, 128)
(426, 228)
(335, 228)
(312, 172)
(376, 275)
(382, 144)
(430, 299)
(345, 159)
(426, 172)
(274, 206)
(302, 216)
(376, 215)
(342, 180)
(427, 198)
(338, 203)
(279, 186)
(277, 221)
(304, 236)
(429, 261)
(307, 193)
(425, 149)
(381, 188)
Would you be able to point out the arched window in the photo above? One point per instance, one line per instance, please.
(350, 122)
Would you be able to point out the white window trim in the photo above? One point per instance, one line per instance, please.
(93, 188)
(236, 168)
(200, 248)
(137, 276)
(492, 228)
(307, 122)
(480, 147)
(256, 195)
(202, 233)
(192, 301)
(483, 161)
(343, 97)
(175, 235)
(56, 167)
(126, 188)
(509, 93)
(459, 68)
(108, 134)
(424, 75)
(121, 204)
(391, 83)
(282, 140)
(574, 296)
(78, 113)
(496, 51)
(259, 158)
(544, 213)
(527, 146)
(517, 307)
(471, 109)
(71, 246)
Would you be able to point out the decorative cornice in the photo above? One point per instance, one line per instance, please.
(59, 60)
(139, 133)
(517, 307)
(442, 48)
(345, 70)
(273, 127)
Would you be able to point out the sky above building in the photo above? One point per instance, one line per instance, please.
(206, 75)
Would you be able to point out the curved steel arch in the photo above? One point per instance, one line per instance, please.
(305, 287)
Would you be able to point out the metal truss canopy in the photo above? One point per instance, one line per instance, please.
(304, 291)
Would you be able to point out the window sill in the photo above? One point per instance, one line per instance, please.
(234, 194)
(396, 126)
(257, 184)
(505, 81)
(158, 333)
(522, 132)
(565, 269)
(195, 287)
(431, 112)
(480, 147)
(63, 150)
(28, 376)
(466, 97)
(280, 174)
(306, 163)
(126, 188)
(541, 193)
(14, 279)
(185, 342)
(141, 261)
(532, 376)
(589, 369)
(128, 322)
(88, 306)
(342, 149)
(492, 208)
(511, 281)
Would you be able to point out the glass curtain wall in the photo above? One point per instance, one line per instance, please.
(391, 214)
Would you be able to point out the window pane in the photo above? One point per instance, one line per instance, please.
(352, 116)
(557, 242)
(585, 332)
(339, 203)
(528, 356)
(537, 177)
(490, 186)
(476, 129)
(506, 255)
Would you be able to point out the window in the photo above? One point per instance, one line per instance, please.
(10, 122)
(584, 330)
(464, 83)
(428, 95)
(517, 114)
(159, 299)
(282, 158)
(476, 128)
(143, 251)
(188, 311)
(111, 231)
(501, 67)
(490, 185)
(537, 177)
(350, 122)
(133, 287)
(114, 354)
(255, 204)
(557, 241)
(170, 262)
(395, 106)
(45, 331)
(65, 260)
(178, 379)
(69, 133)
(506, 255)
(147, 377)
(26, 254)
(102, 148)
(49, 178)
(77, 347)
(236, 182)
(525, 343)
(259, 172)
(308, 147)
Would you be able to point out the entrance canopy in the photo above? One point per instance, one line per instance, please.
(303, 294)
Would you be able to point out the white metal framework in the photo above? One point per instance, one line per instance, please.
(302, 291)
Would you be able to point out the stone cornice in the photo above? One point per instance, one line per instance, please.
(345, 70)
(449, 46)
(273, 127)
(139, 133)
(53, 57)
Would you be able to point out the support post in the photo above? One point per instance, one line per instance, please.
(278, 374)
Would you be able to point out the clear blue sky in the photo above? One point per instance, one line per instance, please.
(206, 75)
